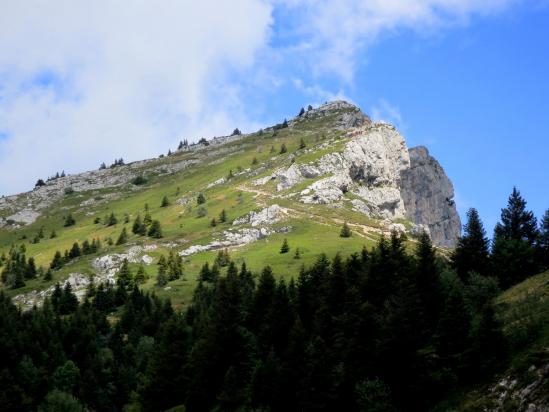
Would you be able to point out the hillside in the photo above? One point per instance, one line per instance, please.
(522, 383)
(300, 181)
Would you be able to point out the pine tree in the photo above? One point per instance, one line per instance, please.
(285, 248)
(297, 254)
(200, 199)
(112, 220)
(513, 251)
(254, 161)
(427, 278)
(147, 220)
(40, 183)
(345, 231)
(30, 271)
(471, 253)
(155, 231)
(138, 227)
(57, 261)
(75, 251)
(123, 238)
(213, 222)
(309, 108)
(230, 175)
(283, 148)
(140, 276)
(301, 112)
(125, 276)
(69, 220)
(53, 234)
(223, 216)
(165, 202)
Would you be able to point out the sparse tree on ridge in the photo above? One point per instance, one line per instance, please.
(285, 248)
(345, 231)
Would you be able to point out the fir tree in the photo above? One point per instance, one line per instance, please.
(254, 161)
(75, 251)
(112, 220)
(285, 248)
(297, 254)
(165, 202)
(155, 231)
(48, 276)
(345, 231)
(69, 220)
(200, 199)
(57, 261)
(223, 216)
(138, 227)
(53, 234)
(213, 222)
(309, 108)
(543, 243)
(123, 238)
(40, 183)
(301, 112)
(140, 276)
(471, 253)
(125, 276)
(283, 148)
(513, 251)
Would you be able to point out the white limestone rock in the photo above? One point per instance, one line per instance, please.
(266, 216)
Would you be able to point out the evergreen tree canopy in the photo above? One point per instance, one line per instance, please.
(472, 251)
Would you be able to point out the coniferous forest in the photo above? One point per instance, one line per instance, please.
(396, 327)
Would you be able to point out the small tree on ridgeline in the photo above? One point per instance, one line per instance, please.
(345, 231)
(544, 240)
(301, 112)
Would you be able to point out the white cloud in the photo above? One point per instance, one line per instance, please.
(118, 78)
(335, 32)
(387, 112)
(82, 82)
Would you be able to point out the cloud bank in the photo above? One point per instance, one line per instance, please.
(84, 82)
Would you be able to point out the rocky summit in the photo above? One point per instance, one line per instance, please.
(299, 180)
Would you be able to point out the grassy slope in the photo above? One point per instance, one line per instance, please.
(315, 228)
(524, 311)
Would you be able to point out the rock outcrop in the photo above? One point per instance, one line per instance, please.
(429, 197)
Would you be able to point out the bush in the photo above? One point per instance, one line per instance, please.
(139, 180)
(201, 212)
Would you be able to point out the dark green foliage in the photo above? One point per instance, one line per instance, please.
(213, 222)
(75, 251)
(125, 276)
(40, 183)
(297, 254)
(123, 238)
(139, 227)
(472, 251)
(69, 221)
(57, 261)
(165, 202)
(111, 220)
(514, 248)
(302, 144)
(345, 231)
(236, 132)
(283, 148)
(139, 180)
(309, 108)
(200, 199)
(254, 161)
(223, 258)
(53, 234)
(155, 231)
(285, 248)
(544, 240)
(223, 216)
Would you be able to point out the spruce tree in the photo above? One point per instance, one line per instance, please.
(53, 234)
(125, 276)
(155, 231)
(213, 222)
(69, 220)
(472, 253)
(223, 216)
(123, 238)
(285, 248)
(165, 202)
(283, 148)
(200, 199)
(112, 220)
(75, 251)
(513, 252)
(57, 261)
(301, 112)
(345, 231)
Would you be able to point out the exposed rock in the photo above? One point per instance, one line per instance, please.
(349, 115)
(428, 198)
(232, 238)
(216, 183)
(267, 216)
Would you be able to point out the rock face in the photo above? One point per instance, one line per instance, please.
(428, 197)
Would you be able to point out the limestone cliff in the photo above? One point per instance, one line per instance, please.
(428, 197)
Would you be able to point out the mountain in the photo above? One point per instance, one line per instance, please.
(300, 180)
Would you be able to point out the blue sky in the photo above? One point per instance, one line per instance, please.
(468, 79)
